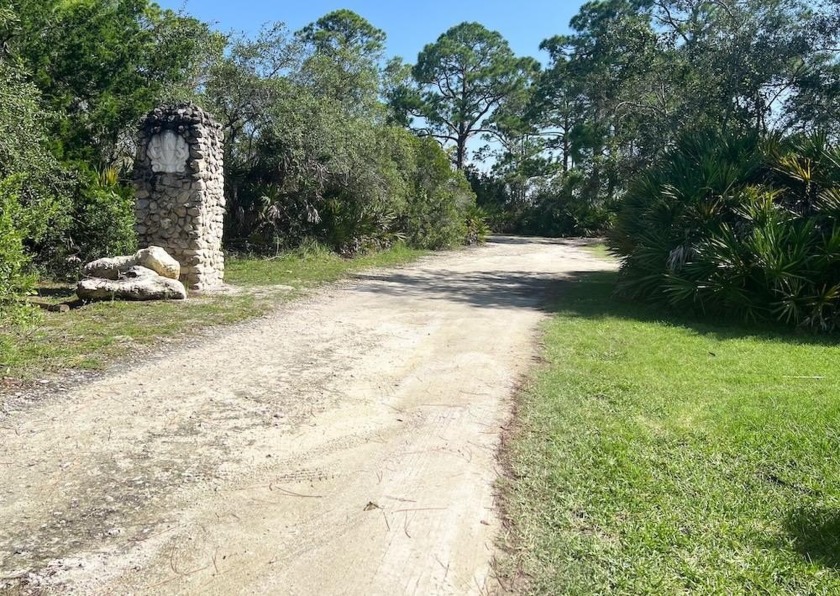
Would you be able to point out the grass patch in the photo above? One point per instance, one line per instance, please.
(662, 456)
(600, 250)
(311, 266)
(94, 335)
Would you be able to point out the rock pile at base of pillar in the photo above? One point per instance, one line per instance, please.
(149, 274)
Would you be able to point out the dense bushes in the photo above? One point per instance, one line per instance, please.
(103, 216)
(305, 162)
(562, 208)
(731, 224)
(15, 282)
(349, 183)
(441, 209)
(34, 194)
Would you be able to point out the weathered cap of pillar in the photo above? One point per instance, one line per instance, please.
(180, 117)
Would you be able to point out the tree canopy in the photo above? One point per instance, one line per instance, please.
(461, 78)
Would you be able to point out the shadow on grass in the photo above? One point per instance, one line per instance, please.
(57, 292)
(816, 534)
(590, 294)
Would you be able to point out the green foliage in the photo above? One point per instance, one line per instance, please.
(103, 217)
(342, 55)
(309, 159)
(43, 185)
(476, 225)
(561, 208)
(102, 64)
(635, 75)
(461, 78)
(34, 194)
(439, 207)
(554, 207)
(83, 73)
(16, 280)
(732, 225)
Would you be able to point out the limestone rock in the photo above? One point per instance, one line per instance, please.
(109, 268)
(137, 283)
(159, 261)
(154, 258)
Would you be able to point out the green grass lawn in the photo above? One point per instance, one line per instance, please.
(661, 456)
(313, 266)
(94, 335)
(600, 250)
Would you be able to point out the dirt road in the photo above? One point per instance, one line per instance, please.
(342, 445)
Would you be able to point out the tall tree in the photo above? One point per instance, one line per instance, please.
(345, 52)
(634, 74)
(518, 142)
(462, 78)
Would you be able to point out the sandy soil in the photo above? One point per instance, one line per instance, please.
(343, 445)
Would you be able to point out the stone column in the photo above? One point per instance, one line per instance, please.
(179, 179)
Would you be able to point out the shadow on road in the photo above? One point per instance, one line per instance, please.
(536, 240)
(487, 289)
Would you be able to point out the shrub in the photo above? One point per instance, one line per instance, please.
(732, 224)
(476, 224)
(103, 216)
(43, 187)
(16, 280)
(562, 208)
(34, 191)
(437, 210)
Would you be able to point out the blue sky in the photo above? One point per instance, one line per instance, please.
(409, 25)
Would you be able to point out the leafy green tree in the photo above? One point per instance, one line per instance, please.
(748, 60)
(438, 208)
(342, 31)
(310, 152)
(519, 144)
(463, 77)
(636, 74)
(241, 89)
(101, 64)
(344, 57)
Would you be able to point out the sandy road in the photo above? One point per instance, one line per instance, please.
(342, 445)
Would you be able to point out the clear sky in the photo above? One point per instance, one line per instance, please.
(409, 25)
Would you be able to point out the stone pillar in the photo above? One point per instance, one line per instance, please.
(179, 179)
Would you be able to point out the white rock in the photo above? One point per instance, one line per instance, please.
(138, 283)
(154, 258)
(109, 268)
(159, 261)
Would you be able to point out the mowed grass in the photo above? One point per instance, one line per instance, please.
(95, 335)
(660, 456)
(311, 266)
(600, 250)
